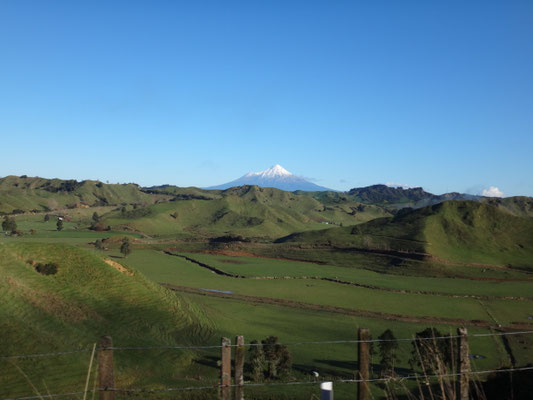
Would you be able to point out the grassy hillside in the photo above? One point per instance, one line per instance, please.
(250, 211)
(39, 194)
(520, 206)
(85, 299)
(457, 231)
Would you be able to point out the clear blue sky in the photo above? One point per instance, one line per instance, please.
(437, 94)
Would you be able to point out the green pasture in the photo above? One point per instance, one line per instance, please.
(269, 267)
(171, 269)
(332, 361)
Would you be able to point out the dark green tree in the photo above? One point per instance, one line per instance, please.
(59, 224)
(387, 352)
(125, 247)
(96, 217)
(269, 359)
(46, 217)
(270, 347)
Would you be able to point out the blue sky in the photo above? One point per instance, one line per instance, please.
(437, 94)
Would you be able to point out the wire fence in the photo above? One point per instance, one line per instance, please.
(225, 385)
(413, 339)
(291, 383)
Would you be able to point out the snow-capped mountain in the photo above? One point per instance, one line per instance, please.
(276, 177)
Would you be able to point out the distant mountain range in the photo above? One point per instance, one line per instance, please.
(275, 177)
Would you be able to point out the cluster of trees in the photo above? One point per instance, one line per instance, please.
(429, 354)
(269, 360)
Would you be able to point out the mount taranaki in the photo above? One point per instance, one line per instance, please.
(276, 177)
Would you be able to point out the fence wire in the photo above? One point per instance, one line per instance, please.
(259, 344)
(216, 387)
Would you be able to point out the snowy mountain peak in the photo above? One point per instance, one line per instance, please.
(277, 177)
(275, 171)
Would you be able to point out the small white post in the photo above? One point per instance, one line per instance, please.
(326, 391)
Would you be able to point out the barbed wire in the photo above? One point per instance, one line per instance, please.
(218, 386)
(281, 344)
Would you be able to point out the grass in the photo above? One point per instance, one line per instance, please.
(174, 270)
(72, 309)
(251, 211)
(34, 193)
(267, 267)
(88, 298)
(452, 231)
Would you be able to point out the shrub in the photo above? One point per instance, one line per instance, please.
(269, 359)
(46, 269)
(125, 248)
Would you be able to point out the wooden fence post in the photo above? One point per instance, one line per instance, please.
(364, 364)
(463, 365)
(225, 368)
(106, 376)
(239, 368)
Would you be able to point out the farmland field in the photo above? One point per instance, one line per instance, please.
(177, 288)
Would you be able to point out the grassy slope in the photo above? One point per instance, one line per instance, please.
(49, 194)
(72, 309)
(249, 211)
(457, 231)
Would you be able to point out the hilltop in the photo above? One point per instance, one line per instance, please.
(246, 210)
(19, 194)
(455, 231)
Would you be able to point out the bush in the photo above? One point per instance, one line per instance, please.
(9, 224)
(46, 269)
(269, 359)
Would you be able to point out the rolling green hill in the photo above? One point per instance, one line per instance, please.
(520, 206)
(71, 309)
(247, 210)
(455, 231)
(39, 194)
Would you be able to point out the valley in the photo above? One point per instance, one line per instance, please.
(310, 268)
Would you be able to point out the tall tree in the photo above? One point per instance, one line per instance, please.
(387, 352)
(96, 217)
